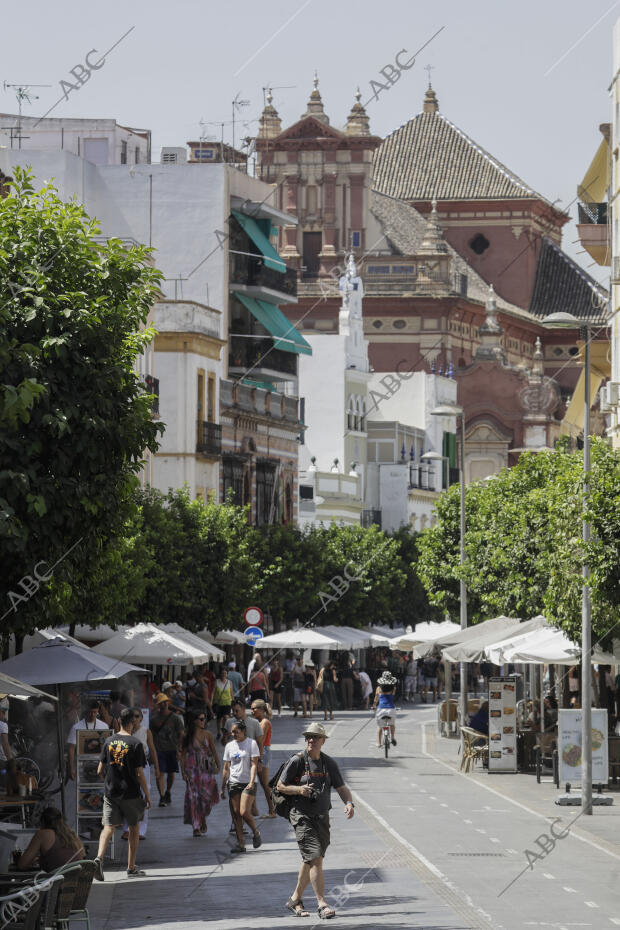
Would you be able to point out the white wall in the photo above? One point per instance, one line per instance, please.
(322, 383)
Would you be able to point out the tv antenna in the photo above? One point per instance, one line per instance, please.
(22, 92)
(236, 104)
(269, 88)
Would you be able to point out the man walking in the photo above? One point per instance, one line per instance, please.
(167, 730)
(308, 778)
(122, 764)
(235, 678)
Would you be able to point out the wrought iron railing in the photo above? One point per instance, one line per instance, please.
(245, 269)
(594, 213)
(259, 355)
(152, 387)
(209, 438)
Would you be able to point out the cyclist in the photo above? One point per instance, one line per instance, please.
(385, 701)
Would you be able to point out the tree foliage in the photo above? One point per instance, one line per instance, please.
(75, 418)
(523, 543)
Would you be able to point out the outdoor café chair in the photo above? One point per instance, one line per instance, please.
(546, 753)
(446, 717)
(79, 912)
(475, 747)
(78, 878)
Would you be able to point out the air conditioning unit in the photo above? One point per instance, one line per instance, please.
(173, 155)
(611, 394)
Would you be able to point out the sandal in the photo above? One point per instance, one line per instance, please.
(196, 832)
(238, 849)
(326, 912)
(297, 908)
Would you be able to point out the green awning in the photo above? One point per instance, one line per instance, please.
(271, 317)
(261, 241)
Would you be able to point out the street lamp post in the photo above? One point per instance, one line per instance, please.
(568, 321)
(454, 410)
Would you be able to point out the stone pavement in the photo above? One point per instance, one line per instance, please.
(428, 848)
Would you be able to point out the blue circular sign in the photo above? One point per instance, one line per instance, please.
(252, 635)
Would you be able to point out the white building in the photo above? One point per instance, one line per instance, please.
(184, 212)
(362, 456)
(611, 399)
(100, 141)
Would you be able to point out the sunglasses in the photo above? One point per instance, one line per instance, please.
(201, 718)
(308, 738)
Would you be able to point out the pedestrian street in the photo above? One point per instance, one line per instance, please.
(429, 847)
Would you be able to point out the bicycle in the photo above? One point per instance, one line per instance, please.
(387, 734)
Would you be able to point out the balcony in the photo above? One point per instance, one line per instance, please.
(259, 359)
(208, 438)
(251, 276)
(593, 231)
(251, 399)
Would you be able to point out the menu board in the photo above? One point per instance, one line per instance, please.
(569, 746)
(502, 725)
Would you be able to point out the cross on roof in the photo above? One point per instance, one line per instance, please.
(429, 68)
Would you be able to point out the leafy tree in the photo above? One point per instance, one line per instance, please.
(523, 543)
(74, 416)
(410, 604)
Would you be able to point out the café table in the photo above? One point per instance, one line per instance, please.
(12, 802)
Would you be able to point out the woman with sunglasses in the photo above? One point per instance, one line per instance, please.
(199, 765)
(240, 771)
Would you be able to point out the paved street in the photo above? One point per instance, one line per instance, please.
(428, 848)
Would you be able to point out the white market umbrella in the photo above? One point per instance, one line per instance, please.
(150, 644)
(471, 644)
(19, 689)
(552, 647)
(350, 637)
(56, 662)
(301, 638)
(494, 652)
(229, 638)
(43, 636)
(427, 632)
(207, 635)
(97, 634)
(177, 630)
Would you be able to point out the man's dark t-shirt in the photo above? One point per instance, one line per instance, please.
(122, 755)
(324, 774)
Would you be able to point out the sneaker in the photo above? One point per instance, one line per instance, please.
(167, 798)
(135, 873)
(163, 802)
(99, 870)
(232, 829)
(257, 841)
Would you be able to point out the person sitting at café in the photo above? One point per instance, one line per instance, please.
(480, 720)
(54, 844)
(551, 714)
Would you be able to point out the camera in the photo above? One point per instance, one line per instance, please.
(315, 794)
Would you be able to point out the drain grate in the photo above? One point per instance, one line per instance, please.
(493, 855)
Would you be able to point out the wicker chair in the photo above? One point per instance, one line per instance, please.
(33, 918)
(475, 747)
(79, 912)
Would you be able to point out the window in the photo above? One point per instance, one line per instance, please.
(266, 504)
(232, 474)
(479, 244)
(211, 398)
(399, 324)
(311, 199)
(123, 152)
(377, 324)
(137, 158)
(356, 240)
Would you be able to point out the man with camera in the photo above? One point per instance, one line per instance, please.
(308, 779)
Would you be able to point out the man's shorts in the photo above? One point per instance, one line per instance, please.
(168, 761)
(118, 810)
(222, 710)
(430, 682)
(312, 834)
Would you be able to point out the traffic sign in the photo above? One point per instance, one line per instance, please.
(253, 616)
(252, 635)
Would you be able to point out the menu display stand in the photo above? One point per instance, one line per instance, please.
(502, 725)
(89, 790)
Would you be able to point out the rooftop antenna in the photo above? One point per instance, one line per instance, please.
(22, 92)
(236, 104)
(269, 88)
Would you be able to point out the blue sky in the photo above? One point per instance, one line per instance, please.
(506, 74)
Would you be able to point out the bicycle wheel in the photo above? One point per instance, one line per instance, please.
(28, 767)
(386, 741)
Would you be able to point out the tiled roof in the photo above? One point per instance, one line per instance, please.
(561, 285)
(404, 228)
(429, 157)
